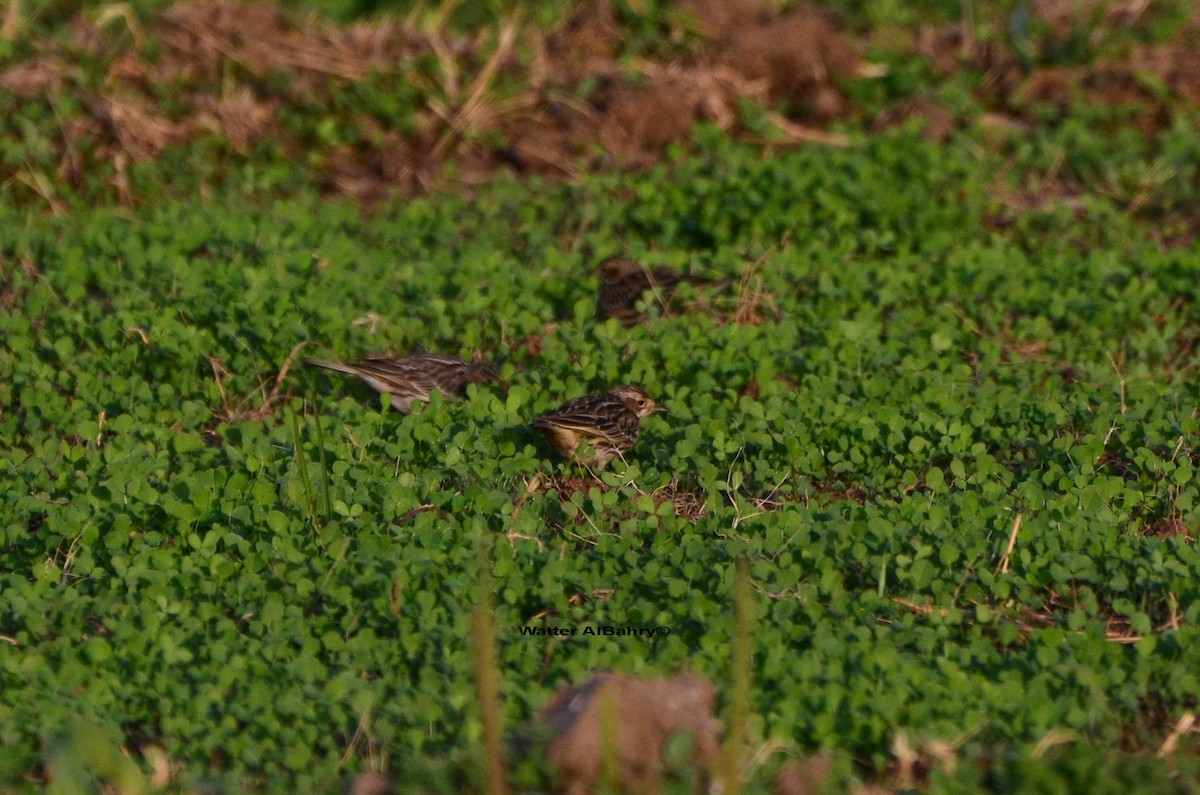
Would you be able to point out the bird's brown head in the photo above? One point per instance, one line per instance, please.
(637, 401)
(614, 269)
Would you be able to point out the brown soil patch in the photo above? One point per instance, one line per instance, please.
(240, 117)
(372, 783)
(199, 38)
(232, 68)
(140, 132)
(799, 57)
(834, 490)
(637, 123)
(555, 103)
(635, 718)
(944, 48)
(938, 123)
(804, 777)
(1171, 526)
(1156, 81)
(546, 144)
(368, 173)
(1070, 17)
(39, 75)
(634, 120)
(585, 45)
(716, 19)
(1012, 87)
(690, 505)
(1176, 64)
(568, 486)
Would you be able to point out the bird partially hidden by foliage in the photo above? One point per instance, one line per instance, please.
(623, 281)
(608, 422)
(412, 378)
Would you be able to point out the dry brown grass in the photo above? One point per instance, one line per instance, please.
(270, 395)
(554, 103)
(234, 67)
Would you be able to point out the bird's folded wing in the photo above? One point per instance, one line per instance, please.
(583, 423)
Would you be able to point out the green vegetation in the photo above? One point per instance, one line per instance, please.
(947, 419)
(921, 382)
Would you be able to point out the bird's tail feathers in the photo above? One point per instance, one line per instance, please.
(337, 366)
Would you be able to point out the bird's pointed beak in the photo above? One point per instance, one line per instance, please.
(661, 410)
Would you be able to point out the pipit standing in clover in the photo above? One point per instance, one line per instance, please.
(407, 379)
(623, 281)
(608, 423)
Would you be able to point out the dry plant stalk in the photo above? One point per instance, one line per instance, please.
(474, 107)
(741, 662)
(237, 412)
(487, 678)
(1012, 542)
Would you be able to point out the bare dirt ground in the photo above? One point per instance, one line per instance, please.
(552, 103)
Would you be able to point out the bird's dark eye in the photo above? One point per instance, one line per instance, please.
(641, 402)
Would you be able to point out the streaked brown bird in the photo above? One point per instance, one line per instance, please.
(623, 281)
(411, 378)
(609, 422)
